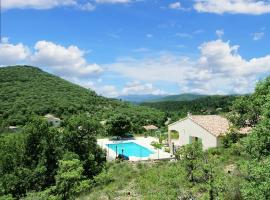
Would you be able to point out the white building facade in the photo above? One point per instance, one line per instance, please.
(205, 128)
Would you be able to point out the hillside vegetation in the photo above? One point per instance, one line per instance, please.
(179, 97)
(160, 98)
(205, 105)
(27, 91)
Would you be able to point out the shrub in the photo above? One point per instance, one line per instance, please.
(167, 149)
(191, 157)
(230, 138)
(104, 178)
(70, 180)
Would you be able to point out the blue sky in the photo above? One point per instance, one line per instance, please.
(122, 47)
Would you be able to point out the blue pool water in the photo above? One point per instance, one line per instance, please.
(130, 149)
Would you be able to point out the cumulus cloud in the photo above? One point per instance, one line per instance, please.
(253, 7)
(175, 5)
(67, 61)
(46, 4)
(36, 4)
(219, 69)
(221, 57)
(138, 88)
(257, 36)
(107, 90)
(64, 61)
(163, 67)
(11, 54)
(86, 7)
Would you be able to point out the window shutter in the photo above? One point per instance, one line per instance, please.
(190, 139)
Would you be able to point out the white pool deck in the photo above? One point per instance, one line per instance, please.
(159, 154)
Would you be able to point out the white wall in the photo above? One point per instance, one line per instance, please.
(187, 128)
(54, 122)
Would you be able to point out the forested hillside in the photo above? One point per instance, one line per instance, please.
(26, 91)
(160, 98)
(180, 97)
(206, 105)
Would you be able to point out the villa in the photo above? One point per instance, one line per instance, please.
(205, 128)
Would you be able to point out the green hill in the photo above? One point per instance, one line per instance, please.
(26, 91)
(180, 97)
(206, 105)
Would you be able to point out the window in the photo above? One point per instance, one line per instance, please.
(194, 139)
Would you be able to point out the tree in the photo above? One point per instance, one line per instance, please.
(119, 125)
(191, 156)
(80, 138)
(231, 137)
(69, 179)
(257, 144)
(43, 148)
(257, 179)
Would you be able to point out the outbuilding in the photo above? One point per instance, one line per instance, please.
(52, 120)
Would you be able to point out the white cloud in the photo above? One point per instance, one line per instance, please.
(138, 88)
(165, 67)
(175, 5)
(113, 1)
(219, 69)
(46, 4)
(66, 61)
(257, 36)
(221, 57)
(220, 33)
(36, 4)
(87, 7)
(107, 90)
(253, 7)
(11, 54)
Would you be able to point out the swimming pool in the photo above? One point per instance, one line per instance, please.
(130, 149)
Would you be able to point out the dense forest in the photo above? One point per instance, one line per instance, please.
(27, 91)
(205, 105)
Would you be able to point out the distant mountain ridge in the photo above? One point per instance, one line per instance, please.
(161, 98)
(140, 98)
(180, 97)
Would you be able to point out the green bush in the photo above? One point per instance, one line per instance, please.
(103, 178)
(70, 181)
(7, 197)
(167, 149)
